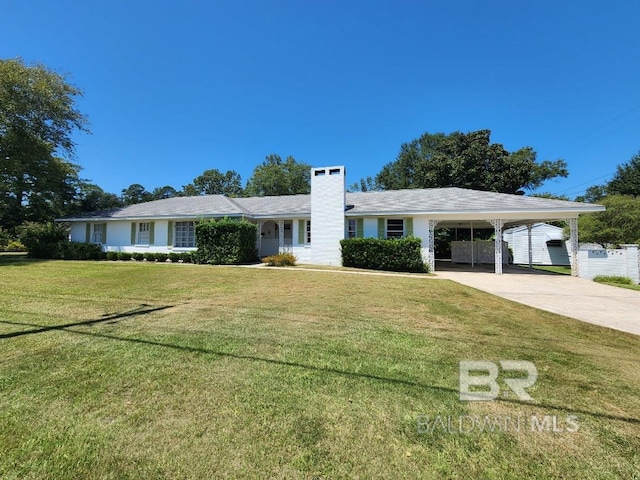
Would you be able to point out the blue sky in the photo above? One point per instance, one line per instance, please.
(175, 88)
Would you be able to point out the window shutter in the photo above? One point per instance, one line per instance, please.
(133, 232)
(170, 234)
(302, 231)
(103, 238)
(381, 224)
(359, 228)
(152, 232)
(408, 227)
(87, 237)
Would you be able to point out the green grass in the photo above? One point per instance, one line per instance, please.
(615, 281)
(115, 370)
(561, 269)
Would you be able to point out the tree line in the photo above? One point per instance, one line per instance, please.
(39, 179)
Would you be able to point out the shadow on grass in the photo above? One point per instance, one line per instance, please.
(17, 259)
(270, 361)
(142, 310)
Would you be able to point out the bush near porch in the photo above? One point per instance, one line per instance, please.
(395, 254)
(226, 242)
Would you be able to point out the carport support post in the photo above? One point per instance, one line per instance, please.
(259, 239)
(573, 236)
(530, 247)
(432, 245)
(497, 228)
(280, 236)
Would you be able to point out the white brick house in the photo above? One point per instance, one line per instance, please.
(311, 226)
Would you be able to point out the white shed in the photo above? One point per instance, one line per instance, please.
(548, 245)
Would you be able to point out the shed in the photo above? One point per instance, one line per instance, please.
(548, 244)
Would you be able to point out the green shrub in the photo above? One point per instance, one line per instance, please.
(613, 279)
(124, 256)
(186, 257)
(149, 256)
(396, 254)
(139, 256)
(281, 260)
(15, 246)
(43, 240)
(226, 242)
(5, 238)
(174, 257)
(161, 257)
(112, 256)
(80, 251)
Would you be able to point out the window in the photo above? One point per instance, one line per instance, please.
(98, 229)
(143, 233)
(308, 237)
(352, 228)
(395, 227)
(185, 235)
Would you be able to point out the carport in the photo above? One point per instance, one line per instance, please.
(500, 222)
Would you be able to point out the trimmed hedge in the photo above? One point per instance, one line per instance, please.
(395, 254)
(226, 242)
(80, 251)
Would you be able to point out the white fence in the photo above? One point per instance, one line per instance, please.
(623, 262)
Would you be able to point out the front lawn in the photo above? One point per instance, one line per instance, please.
(115, 370)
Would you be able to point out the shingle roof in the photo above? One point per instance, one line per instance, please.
(419, 201)
(176, 207)
(448, 200)
(275, 206)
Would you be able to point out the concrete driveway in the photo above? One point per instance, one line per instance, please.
(612, 307)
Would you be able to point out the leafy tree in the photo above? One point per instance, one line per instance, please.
(38, 117)
(619, 224)
(551, 196)
(189, 190)
(364, 185)
(277, 177)
(214, 182)
(593, 194)
(467, 160)
(626, 181)
(135, 193)
(92, 198)
(160, 193)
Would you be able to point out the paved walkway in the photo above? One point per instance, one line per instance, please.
(613, 307)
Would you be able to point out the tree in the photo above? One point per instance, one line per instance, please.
(626, 181)
(92, 198)
(135, 193)
(467, 160)
(593, 194)
(214, 182)
(364, 185)
(619, 224)
(277, 177)
(160, 193)
(38, 117)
